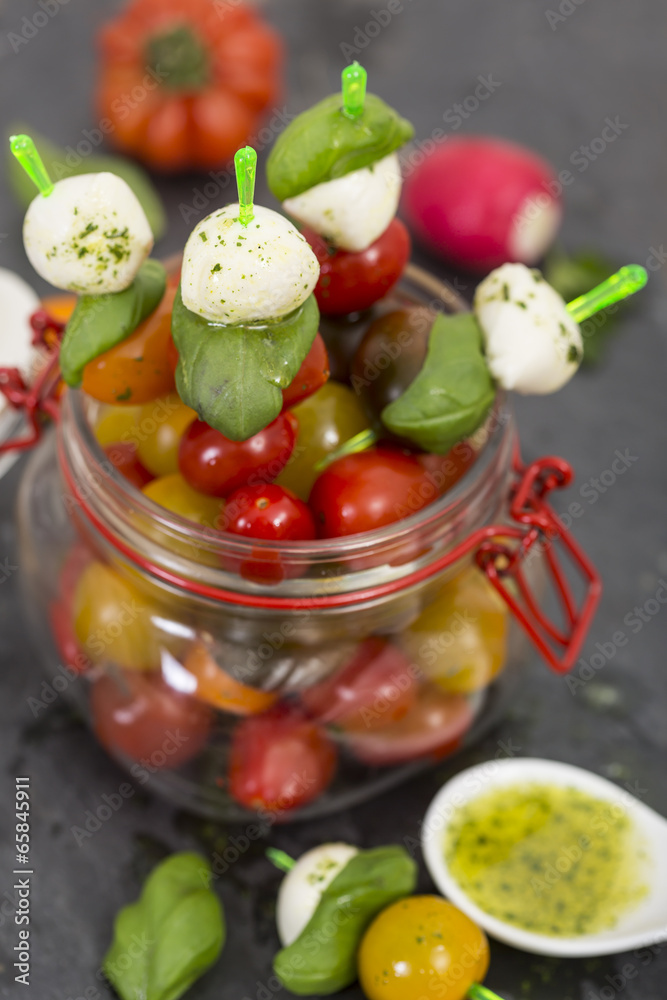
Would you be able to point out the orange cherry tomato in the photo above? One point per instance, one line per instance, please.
(218, 688)
(186, 82)
(137, 370)
(59, 307)
(422, 946)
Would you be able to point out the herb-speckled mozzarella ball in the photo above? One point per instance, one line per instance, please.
(532, 344)
(241, 274)
(90, 235)
(19, 302)
(353, 210)
(302, 887)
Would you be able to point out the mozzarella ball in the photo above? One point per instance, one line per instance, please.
(19, 302)
(90, 235)
(532, 344)
(352, 211)
(240, 274)
(302, 887)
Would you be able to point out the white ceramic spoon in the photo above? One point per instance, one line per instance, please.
(644, 925)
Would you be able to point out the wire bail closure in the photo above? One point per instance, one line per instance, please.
(504, 565)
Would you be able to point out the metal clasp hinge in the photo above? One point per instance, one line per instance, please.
(504, 564)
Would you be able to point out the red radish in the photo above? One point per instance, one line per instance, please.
(482, 202)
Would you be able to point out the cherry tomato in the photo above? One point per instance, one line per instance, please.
(215, 686)
(374, 689)
(137, 369)
(444, 471)
(59, 307)
(422, 946)
(328, 418)
(123, 456)
(390, 356)
(270, 512)
(174, 494)
(367, 490)
(213, 464)
(117, 423)
(158, 433)
(139, 716)
(351, 282)
(460, 638)
(312, 374)
(280, 760)
(433, 727)
(112, 620)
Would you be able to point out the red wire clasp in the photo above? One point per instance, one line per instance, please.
(505, 565)
(41, 399)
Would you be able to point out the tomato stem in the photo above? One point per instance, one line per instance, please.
(178, 59)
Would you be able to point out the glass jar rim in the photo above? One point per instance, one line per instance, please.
(118, 509)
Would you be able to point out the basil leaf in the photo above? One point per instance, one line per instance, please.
(170, 936)
(62, 163)
(323, 143)
(232, 375)
(453, 391)
(101, 321)
(320, 962)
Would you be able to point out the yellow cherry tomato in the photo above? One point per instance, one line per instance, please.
(112, 620)
(460, 638)
(178, 496)
(422, 946)
(161, 425)
(117, 423)
(327, 419)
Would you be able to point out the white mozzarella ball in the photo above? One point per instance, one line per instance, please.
(352, 211)
(240, 274)
(19, 302)
(532, 344)
(302, 887)
(90, 235)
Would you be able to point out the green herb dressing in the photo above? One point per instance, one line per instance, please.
(552, 860)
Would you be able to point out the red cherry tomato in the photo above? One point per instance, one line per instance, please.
(213, 464)
(351, 282)
(280, 760)
(433, 727)
(139, 716)
(376, 688)
(270, 512)
(368, 490)
(312, 374)
(123, 456)
(444, 471)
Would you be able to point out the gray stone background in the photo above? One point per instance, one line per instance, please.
(559, 81)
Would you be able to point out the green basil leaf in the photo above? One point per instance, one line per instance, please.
(170, 936)
(452, 393)
(320, 962)
(67, 162)
(322, 144)
(101, 321)
(232, 375)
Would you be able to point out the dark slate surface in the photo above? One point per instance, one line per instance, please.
(558, 84)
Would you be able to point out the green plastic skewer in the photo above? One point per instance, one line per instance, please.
(354, 90)
(245, 162)
(361, 441)
(479, 992)
(280, 859)
(26, 153)
(619, 286)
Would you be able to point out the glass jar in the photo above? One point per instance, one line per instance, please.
(230, 674)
